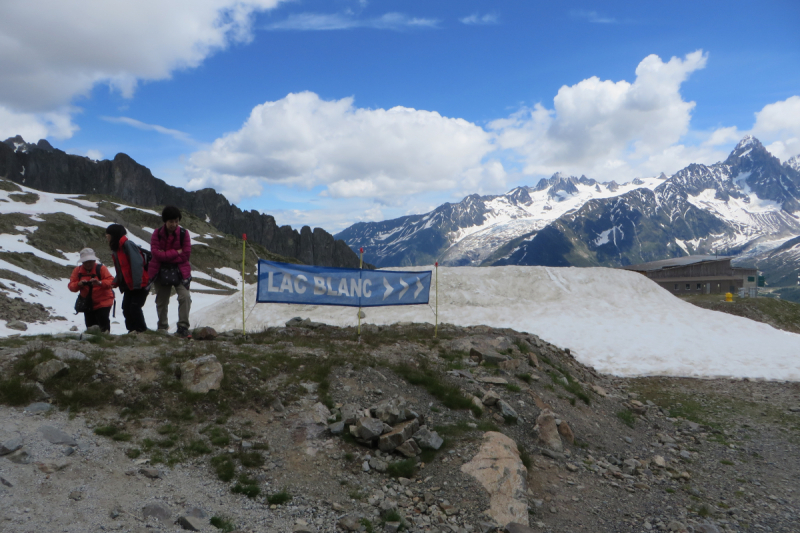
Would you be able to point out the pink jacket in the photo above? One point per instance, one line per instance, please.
(161, 240)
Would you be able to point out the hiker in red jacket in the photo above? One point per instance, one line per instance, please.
(131, 277)
(94, 281)
(172, 248)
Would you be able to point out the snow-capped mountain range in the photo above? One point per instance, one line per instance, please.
(749, 202)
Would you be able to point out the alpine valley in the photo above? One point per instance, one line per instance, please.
(747, 206)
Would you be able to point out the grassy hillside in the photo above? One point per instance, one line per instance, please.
(777, 313)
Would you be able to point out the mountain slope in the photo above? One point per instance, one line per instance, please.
(47, 169)
(746, 201)
(42, 233)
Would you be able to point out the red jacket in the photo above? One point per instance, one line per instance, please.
(162, 240)
(102, 295)
(130, 266)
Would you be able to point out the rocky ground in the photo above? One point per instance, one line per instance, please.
(309, 428)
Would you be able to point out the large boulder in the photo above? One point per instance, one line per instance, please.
(499, 469)
(350, 413)
(205, 333)
(368, 428)
(427, 439)
(399, 434)
(50, 369)
(202, 374)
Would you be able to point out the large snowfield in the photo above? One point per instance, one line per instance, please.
(617, 321)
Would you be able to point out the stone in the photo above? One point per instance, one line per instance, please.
(21, 457)
(490, 398)
(350, 413)
(196, 512)
(555, 455)
(320, 413)
(498, 468)
(506, 410)
(204, 334)
(365, 466)
(368, 428)
(510, 365)
(409, 448)
(50, 369)
(629, 466)
(378, 464)
(600, 391)
(18, 325)
(392, 527)
(398, 435)
(337, 428)
(533, 360)
(515, 527)
(38, 407)
(427, 439)
(489, 357)
(76, 495)
(548, 431)
(191, 523)
(56, 436)
(202, 374)
(708, 527)
(566, 432)
(391, 411)
(492, 380)
(157, 510)
(676, 526)
(69, 355)
(152, 473)
(10, 446)
(5, 482)
(53, 466)
(349, 523)
(277, 406)
(659, 461)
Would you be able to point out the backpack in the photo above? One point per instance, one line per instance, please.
(84, 304)
(147, 255)
(182, 233)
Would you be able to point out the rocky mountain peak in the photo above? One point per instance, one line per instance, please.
(748, 148)
(793, 163)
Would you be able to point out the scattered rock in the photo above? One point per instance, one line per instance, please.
(202, 374)
(515, 527)
(493, 380)
(10, 446)
(600, 391)
(337, 428)
(409, 448)
(196, 512)
(399, 434)
(157, 510)
(506, 410)
(53, 466)
(69, 355)
(566, 432)
(204, 334)
(50, 369)
(490, 398)
(152, 473)
(5, 482)
(498, 467)
(368, 428)
(190, 523)
(533, 360)
(76, 495)
(56, 436)
(349, 523)
(18, 325)
(427, 439)
(20, 457)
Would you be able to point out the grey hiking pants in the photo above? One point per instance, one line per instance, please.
(163, 294)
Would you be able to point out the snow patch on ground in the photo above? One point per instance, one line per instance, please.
(617, 321)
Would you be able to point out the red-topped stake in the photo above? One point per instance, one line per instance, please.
(361, 250)
(244, 236)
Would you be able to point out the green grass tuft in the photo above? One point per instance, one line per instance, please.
(405, 468)
(628, 417)
(223, 523)
(279, 498)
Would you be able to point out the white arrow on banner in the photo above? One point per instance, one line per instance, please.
(405, 288)
(389, 288)
(419, 288)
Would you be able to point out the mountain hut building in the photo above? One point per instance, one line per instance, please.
(699, 274)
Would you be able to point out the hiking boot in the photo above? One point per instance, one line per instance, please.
(162, 331)
(182, 333)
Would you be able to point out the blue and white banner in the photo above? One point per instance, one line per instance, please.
(304, 284)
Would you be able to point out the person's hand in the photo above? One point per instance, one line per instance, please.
(96, 282)
(180, 252)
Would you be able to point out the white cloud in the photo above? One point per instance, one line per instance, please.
(179, 135)
(592, 16)
(610, 130)
(385, 155)
(52, 52)
(96, 155)
(346, 21)
(35, 126)
(779, 124)
(476, 19)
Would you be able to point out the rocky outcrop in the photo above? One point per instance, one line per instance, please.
(202, 374)
(498, 467)
(42, 167)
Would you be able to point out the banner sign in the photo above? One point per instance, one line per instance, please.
(312, 285)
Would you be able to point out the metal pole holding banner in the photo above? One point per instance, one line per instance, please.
(361, 267)
(436, 327)
(244, 247)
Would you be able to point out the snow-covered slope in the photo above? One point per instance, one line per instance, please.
(40, 234)
(726, 208)
(619, 322)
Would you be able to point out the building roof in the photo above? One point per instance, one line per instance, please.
(676, 262)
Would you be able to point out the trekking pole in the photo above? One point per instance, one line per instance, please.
(244, 247)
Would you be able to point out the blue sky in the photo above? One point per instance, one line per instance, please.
(327, 113)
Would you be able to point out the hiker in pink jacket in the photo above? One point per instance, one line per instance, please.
(171, 247)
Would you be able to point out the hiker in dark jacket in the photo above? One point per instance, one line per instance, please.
(94, 281)
(131, 279)
(172, 248)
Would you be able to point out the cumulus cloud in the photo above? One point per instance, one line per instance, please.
(779, 124)
(475, 19)
(346, 21)
(592, 16)
(61, 53)
(607, 129)
(382, 154)
(176, 134)
(35, 126)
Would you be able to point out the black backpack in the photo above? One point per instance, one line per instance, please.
(84, 305)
